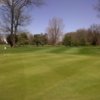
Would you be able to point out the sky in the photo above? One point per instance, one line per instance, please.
(76, 14)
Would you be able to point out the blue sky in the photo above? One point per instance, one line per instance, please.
(75, 14)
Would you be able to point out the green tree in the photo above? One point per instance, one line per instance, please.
(9, 39)
(67, 40)
(78, 38)
(23, 39)
(40, 39)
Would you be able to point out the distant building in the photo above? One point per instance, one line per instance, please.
(3, 39)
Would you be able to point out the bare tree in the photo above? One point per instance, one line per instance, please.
(97, 7)
(55, 30)
(14, 14)
(94, 34)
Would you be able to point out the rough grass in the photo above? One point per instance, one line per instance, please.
(50, 73)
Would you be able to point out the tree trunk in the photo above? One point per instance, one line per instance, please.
(12, 26)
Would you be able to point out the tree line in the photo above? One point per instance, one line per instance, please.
(82, 37)
(25, 38)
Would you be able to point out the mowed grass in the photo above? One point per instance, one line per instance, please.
(50, 73)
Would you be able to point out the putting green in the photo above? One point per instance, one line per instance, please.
(50, 73)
